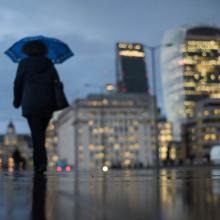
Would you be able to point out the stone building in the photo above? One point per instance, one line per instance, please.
(113, 129)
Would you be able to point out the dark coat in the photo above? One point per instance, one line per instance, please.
(33, 87)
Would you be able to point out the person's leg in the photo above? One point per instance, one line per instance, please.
(45, 122)
(37, 126)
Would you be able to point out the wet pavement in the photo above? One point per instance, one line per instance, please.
(183, 194)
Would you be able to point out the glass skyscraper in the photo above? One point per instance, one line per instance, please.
(131, 68)
(190, 71)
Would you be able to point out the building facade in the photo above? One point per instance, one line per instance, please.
(167, 149)
(108, 129)
(202, 132)
(15, 146)
(65, 136)
(51, 145)
(131, 68)
(190, 71)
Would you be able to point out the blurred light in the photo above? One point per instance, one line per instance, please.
(51, 126)
(90, 122)
(109, 87)
(68, 169)
(122, 45)
(105, 168)
(116, 146)
(10, 169)
(212, 77)
(51, 164)
(138, 47)
(131, 53)
(127, 162)
(55, 158)
(10, 162)
(105, 101)
(59, 169)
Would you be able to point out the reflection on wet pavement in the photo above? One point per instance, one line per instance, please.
(182, 194)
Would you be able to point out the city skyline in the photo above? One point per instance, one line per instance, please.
(91, 29)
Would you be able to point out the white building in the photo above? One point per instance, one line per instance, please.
(113, 129)
(65, 134)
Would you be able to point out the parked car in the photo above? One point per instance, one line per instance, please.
(62, 166)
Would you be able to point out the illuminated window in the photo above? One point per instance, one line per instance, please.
(90, 122)
(212, 77)
(131, 53)
(206, 112)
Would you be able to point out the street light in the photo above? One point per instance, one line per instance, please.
(153, 50)
(107, 88)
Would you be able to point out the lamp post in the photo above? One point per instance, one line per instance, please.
(153, 50)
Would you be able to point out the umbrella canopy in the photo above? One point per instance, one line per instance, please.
(57, 52)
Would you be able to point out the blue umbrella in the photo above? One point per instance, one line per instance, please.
(58, 51)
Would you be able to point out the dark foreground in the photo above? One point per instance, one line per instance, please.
(182, 194)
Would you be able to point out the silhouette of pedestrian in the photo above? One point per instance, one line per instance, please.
(18, 160)
(34, 92)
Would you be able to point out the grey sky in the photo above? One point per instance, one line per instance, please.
(91, 28)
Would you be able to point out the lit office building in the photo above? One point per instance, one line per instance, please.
(165, 138)
(190, 71)
(131, 68)
(202, 132)
(113, 129)
(51, 144)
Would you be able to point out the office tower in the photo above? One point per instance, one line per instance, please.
(202, 132)
(190, 71)
(114, 129)
(131, 68)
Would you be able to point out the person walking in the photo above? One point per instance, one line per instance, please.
(34, 92)
(37, 87)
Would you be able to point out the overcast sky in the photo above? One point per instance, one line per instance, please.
(91, 28)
